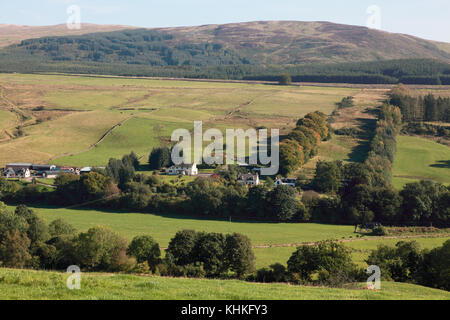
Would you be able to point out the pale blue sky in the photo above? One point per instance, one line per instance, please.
(429, 19)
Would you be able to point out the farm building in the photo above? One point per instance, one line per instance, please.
(249, 179)
(19, 172)
(19, 166)
(286, 181)
(183, 169)
(43, 167)
(85, 170)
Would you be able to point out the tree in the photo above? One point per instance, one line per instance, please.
(346, 102)
(328, 177)
(210, 250)
(37, 230)
(101, 249)
(399, 263)
(291, 156)
(93, 186)
(435, 269)
(14, 250)
(160, 158)
(205, 196)
(9, 222)
(5, 187)
(421, 202)
(285, 80)
(59, 227)
(329, 258)
(239, 254)
(145, 248)
(181, 247)
(257, 200)
(137, 196)
(283, 204)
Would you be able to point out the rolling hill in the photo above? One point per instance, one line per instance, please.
(13, 34)
(230, 51)
(271, 42)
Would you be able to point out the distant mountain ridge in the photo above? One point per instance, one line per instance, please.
(273, 42)
(14, 34)
(295, 42)
(311, 51)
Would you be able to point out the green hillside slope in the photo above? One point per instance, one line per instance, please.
(24, 284)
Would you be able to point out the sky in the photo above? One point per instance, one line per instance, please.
(428, 19)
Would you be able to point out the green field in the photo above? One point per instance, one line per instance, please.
(360, 249)
(163, 228)
(420, 159)
(74, 112)
(24, 284)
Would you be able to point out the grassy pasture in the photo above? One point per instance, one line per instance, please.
(76, 111)
(142, 133)
(360, 250)
(420, 159)
(41, 285)
(163, 228)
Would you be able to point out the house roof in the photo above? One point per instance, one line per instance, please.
(183, 165)
(19, 164)
(247, 176)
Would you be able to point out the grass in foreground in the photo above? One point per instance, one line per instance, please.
(25, 284)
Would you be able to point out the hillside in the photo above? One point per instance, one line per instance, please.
(295, 42)
(309, 51)
(25, 284)
(270, 42)
(14, 34)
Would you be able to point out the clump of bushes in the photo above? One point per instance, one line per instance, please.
(326, 263)
(406, 262)
(380, 231)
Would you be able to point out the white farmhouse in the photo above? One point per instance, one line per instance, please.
(286, 182)
(248, 179)
(183, 169)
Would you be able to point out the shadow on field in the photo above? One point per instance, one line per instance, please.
(367, 131)
(247, 220)
(445, 164)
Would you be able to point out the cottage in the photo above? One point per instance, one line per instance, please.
(9, 173)
(248, 179)
(183, 169)
(19, 172)
(286, 181)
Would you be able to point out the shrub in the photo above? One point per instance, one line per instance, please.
(275, 273)
(181, 247)
(60, 227)
(145, 249)
(100, 249)
(380, 231)
(14, 250)
(239, 254)
(329, 259)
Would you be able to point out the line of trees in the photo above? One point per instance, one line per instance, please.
(302, 142)
(362, 192)
(422, 108)
(27, 241)
(406, 262)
